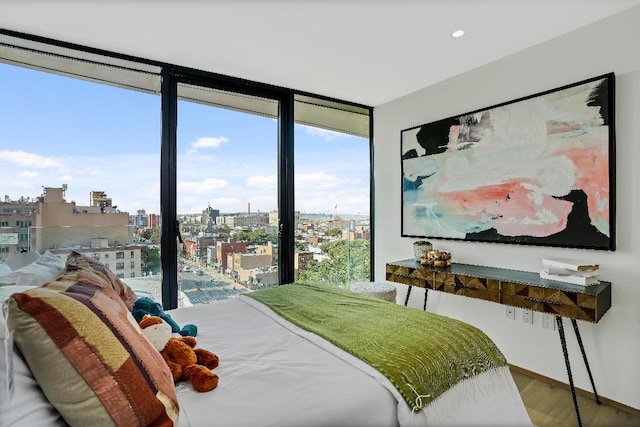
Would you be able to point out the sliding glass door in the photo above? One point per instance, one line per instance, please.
(226, 193)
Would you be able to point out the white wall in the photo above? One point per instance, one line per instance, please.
(613, 344)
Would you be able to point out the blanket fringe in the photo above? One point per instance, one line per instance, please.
(449, 403)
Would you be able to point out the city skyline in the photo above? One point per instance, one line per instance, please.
(96, 137)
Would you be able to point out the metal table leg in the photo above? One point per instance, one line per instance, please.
(426, 293)
(584, 357)
(563, 341)
(406, 300)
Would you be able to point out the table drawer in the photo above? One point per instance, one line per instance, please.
(548, 300)
(474, 287)
(410, 276)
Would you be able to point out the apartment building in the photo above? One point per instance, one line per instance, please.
(16, 221)
(224, 248)
(125, 260)
(243, 220)
(50, 223)
(196, 248)
(269, 249)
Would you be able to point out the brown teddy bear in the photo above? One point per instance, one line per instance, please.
(185, 362)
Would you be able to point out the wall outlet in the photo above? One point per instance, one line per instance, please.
(527, 316)
(549, 321)
(510, 312)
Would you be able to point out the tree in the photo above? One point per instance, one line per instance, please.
(150, 259)
(333, 231)
(224, 231)
(152, 235)
(258, 236)
(346, 262)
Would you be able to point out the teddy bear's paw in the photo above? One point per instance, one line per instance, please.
(201, 378)
(207, 358)
(190, 341)
(176, 371)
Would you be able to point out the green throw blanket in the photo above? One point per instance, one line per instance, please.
(422, 354)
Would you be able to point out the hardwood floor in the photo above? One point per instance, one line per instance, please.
(550, 404)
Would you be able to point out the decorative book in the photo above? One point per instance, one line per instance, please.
(567, 272)
(575, 279)
(569, 264)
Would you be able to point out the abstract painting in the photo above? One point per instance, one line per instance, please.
(538, 170)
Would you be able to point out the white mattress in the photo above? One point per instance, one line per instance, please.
(273, 373)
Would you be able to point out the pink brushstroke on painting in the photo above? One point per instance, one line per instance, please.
(592, 168)
(514, 208)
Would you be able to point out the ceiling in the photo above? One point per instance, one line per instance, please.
(367, 52)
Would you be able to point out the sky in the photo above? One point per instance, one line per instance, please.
(58, 130)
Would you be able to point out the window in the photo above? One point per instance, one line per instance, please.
(116, 99)
(100, 132)
(241, 193)
(95, 256)
(333, 237)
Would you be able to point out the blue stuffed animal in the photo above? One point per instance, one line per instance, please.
(145, 305)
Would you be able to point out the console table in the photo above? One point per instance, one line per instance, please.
(514, 288)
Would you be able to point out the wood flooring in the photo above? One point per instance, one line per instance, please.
(549, 404)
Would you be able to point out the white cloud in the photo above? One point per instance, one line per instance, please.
(328, 135)
(133, 182)
(28, 174)
(263, 182)
(205, 186)
(23, 158)
(207, 142)
(318, 181)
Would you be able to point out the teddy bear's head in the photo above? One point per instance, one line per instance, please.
(157, 331)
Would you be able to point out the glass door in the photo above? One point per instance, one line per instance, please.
(226, 194)
(332, 192)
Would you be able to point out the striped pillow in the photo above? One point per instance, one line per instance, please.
(79, 262)
(89, 356)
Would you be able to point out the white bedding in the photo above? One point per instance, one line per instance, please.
(273, 373)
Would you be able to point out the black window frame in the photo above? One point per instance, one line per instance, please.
(171, 75)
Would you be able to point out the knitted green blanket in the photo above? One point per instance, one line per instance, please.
(422, 354)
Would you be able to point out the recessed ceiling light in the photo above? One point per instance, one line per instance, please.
(457, 34)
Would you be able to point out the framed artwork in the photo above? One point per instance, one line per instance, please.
(538, 170)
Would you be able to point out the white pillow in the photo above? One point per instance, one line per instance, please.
(18, 260)
(41, 271)
(4, 269)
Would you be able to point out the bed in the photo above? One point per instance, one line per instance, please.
(284, 361)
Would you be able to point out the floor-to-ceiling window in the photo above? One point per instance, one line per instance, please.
(332, 192)
(79, 162)
(219, 186)
(226, 193)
